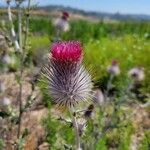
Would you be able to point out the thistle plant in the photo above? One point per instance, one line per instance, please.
(113, 71)
(69, 82)
(132, 85)
(20, 44)
(137, 75)
(61, 24)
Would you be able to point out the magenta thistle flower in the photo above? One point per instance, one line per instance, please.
(69, 82)
(114, 69)
(62, 24)
(67, 51)
(65, 15)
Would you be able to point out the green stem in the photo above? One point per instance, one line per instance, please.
(109, 86)
(27, 24)
(75, 125)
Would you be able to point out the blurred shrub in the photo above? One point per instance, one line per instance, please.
(85, 31)
(2, 144)
(145, 143)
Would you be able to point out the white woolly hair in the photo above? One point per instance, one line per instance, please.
(69, 83)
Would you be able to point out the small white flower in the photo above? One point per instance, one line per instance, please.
(137, 73)
(114, 68)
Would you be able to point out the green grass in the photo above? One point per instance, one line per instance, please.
(145, 143)
(129, 50)
(38, 42)
(102, 43)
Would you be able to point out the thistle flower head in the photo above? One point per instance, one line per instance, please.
(137, 73)
(69, 82)
(114, 68)
(114, 62)
(61, 23)
(65, 15)
(67, 51)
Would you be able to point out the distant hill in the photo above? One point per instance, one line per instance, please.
(54, 10)
(97, 15)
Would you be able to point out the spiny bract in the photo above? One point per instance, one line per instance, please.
(69, 82)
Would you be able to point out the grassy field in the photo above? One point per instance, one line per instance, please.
(126, 42)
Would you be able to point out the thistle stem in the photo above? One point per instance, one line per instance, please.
(75, 125)
(27, 24)
(20, 96)
(19, 25)
(58, 34)
(13, 33)
(22, 61)
(20, 109)
(109, 86)
(116, 108)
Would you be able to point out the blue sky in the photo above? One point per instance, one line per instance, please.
(122, 6)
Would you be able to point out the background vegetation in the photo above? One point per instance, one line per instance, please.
(128, 42)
